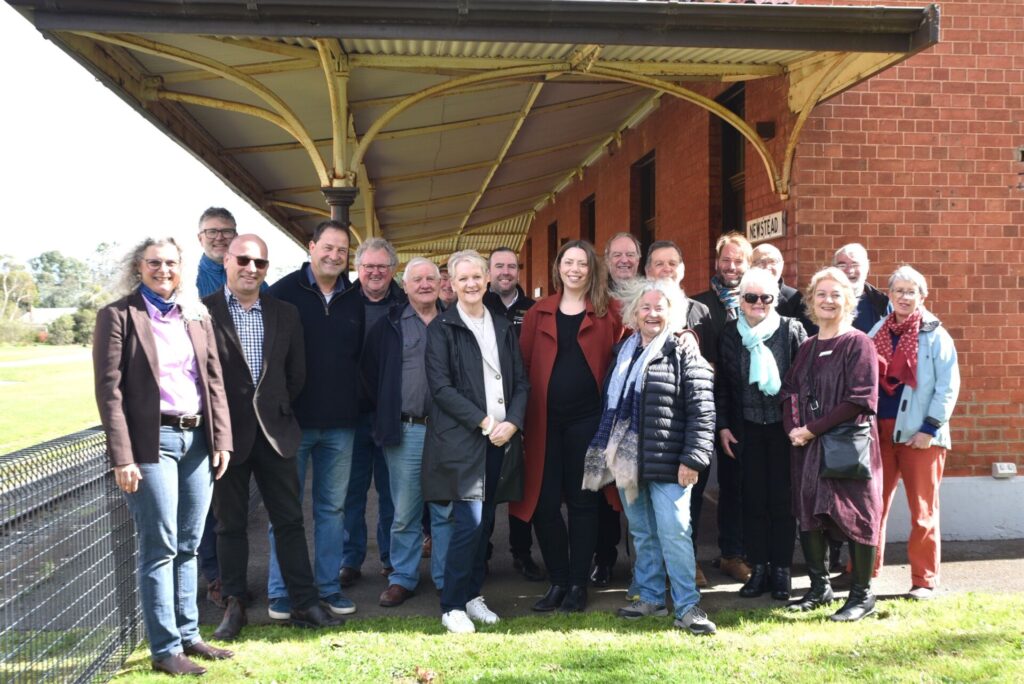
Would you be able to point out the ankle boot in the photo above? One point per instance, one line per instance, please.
(860, 602)
(575, 600)
(551, 600)
(758, 582)
(815, 547)
(782, 583)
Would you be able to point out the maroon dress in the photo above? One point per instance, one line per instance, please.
(845, 370)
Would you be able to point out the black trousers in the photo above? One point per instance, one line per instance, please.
(520, 538)
(609, 533)
(278, 483)
(769, 527)
(567, 554)
(730, 510)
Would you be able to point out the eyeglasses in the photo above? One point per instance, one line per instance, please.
(375, 267)
(244, 261)
(155, 264)
(751, 298)
(900, 293)
(214, 233)
(766, 262)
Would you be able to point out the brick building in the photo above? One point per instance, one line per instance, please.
(924, 164)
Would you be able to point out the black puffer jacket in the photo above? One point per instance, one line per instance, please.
(677, 414)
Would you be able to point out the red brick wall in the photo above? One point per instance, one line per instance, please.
(919, 164)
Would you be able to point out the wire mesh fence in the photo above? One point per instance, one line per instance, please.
(68, 603)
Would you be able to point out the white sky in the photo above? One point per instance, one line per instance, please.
(80, 167)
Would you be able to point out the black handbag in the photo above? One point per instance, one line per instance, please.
(846, 448)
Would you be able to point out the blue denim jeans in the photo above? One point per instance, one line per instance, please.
(169, 509)
(659, 521)
(404, 469)
(367, 463)
(330, 452)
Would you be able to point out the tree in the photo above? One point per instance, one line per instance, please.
(17, 289)
(85, 323)
(61, 331)
(61, 280)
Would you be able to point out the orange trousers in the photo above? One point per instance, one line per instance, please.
(921, 470)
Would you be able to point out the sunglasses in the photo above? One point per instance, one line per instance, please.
(244, 261)
(751, 298)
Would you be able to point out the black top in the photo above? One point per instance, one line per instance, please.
(572, 390)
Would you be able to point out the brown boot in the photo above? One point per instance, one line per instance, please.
(234, 620)
(735, 567)
(702, 581)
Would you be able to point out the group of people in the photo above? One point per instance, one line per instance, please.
(458, 392)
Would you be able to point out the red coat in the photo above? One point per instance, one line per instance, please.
(538, 340)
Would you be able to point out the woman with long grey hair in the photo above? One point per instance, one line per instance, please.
(162, 404)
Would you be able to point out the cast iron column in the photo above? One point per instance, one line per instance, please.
(339, 200)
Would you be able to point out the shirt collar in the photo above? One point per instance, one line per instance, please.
(339, 285)
(233, 300)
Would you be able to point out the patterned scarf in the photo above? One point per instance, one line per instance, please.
(729, 296)
(898, 366)
(613, 452)
(162, 305)
(763, 369)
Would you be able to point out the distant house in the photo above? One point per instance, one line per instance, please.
(43, 317)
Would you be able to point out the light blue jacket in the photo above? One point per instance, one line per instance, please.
(938, 383)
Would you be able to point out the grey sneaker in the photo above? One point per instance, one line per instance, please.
(638, 609)
(696, 621)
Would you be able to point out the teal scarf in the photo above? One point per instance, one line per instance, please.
(763, 369)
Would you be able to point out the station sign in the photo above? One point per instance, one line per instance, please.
(770, 227)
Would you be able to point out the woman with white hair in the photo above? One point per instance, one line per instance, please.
(754, 353)
(161, 400)
(655, 435)
(830, 394)
(473, 454)
(918, 387)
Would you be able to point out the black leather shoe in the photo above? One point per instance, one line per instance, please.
(758, 582)
(551, 600)
(314, 617)
(575, 600)
(525, 566)
(601, 575)
(178, 665)
(859, 604)
(234, 619)
(781, 583)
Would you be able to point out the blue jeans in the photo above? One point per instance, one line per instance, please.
(367, 463)
(331, 454)
(169, 509)
(465, 562)
(404, 469)
(659, 521)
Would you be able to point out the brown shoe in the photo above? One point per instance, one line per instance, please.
(177, 665)
(735, 567)
(428, 546)
(201, 649)
(349, 576)
(234, 619)
(213, 594)
(394, 595)
(314, 617)
(702, 581)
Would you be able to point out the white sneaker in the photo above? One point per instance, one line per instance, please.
(478, 611)
(457, 622)
(921, 593)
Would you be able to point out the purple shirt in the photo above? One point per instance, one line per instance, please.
(176, 360)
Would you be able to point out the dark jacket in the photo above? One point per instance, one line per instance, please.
(455, 451)
(733, 372)
(677, 414)
(791, 304)
(878, 306)
(515, 313)
(381, 376)
(127, 382)
(266, 405)
(713, 329)
(698, 319)
(333, 335)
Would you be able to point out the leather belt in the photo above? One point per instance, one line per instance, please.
(414, 420)
(181, 422)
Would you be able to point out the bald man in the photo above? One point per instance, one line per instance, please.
(791, 300)
(263, 360)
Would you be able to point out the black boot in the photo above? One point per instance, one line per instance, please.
(575, 599)
(815, 547)
(551, 600)
(860, 602)
(758, 582)
(782, 583)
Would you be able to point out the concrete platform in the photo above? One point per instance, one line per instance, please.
(991, 566)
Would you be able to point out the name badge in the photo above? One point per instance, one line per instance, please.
(825, 353)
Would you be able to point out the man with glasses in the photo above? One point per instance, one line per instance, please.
(376, 262)
(262, 354)
(872, 303)
(217, 229)
(331, 311)
(791, 300)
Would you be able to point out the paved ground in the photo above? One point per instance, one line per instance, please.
(967, 566)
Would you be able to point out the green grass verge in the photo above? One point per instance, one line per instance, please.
(47, 394)
(961, 638)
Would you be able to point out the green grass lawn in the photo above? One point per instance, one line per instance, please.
(45, 392)
(959, 638)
